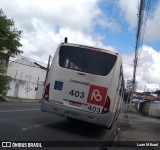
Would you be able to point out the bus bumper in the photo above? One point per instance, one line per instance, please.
(99, 119)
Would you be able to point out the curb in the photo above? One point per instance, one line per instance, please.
(12, 99)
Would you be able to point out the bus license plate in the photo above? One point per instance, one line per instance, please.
(75, 103)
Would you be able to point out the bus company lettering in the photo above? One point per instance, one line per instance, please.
(97, 95)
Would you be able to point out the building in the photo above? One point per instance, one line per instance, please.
(27, 79)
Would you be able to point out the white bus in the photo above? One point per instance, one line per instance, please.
(84, 83)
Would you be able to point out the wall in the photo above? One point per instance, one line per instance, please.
(146, 107)
(25, 90)
(39, 91)
(12, 88)
(150, 108)
(26, 77)
(154, 109)
(23, 69)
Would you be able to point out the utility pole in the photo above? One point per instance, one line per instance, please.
(138, 38)
(49, 60)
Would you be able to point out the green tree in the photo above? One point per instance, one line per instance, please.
(157, 92)
(9, 43)
(9, 35)
(4, 83)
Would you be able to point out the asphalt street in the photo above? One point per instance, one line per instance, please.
(22, 121)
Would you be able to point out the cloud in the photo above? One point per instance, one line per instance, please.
(40, 46)
(109, 24)
(152, 32)
(128, 66)
(149, 65)
(148, 69)
(38, 14)
(45, 23)
(129, 11)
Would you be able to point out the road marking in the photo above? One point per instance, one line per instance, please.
(35, 126)
(19, 110)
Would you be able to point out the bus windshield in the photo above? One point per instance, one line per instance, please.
(86, 60)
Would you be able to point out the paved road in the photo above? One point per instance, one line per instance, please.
(21, 121)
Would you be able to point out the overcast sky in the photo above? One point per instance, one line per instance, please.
(103, 23)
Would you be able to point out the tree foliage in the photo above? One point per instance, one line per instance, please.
(4, 83)
(157, 92)
(9, 43)
(9, 35)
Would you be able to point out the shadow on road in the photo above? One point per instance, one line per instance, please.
(79, 127)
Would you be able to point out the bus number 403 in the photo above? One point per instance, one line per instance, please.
(76, 93)
(94, 109)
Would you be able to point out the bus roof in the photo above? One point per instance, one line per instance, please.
(91, 48)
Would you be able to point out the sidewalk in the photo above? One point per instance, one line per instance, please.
(136, 127)
(13, 99)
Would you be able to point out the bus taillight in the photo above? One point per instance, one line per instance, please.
(46, 93)
(106, 105)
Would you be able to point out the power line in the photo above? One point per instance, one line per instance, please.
(140, 33)
(147, 6)
(142, 20)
